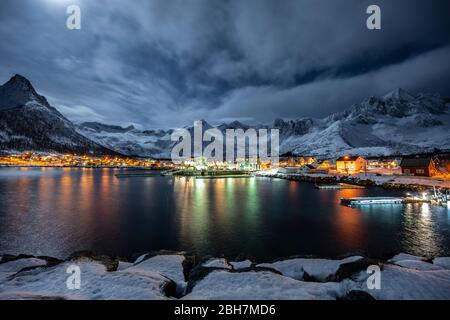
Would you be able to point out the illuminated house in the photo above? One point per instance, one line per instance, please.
(350, 164)
(324, 167)
(418, 167)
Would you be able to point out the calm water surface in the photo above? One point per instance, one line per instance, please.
(58, 211)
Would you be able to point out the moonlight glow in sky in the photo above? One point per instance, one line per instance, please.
(165, 63)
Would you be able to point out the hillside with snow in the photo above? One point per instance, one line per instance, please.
(29, 123)
(398, 123)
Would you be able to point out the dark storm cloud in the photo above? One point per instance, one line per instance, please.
(159, 63)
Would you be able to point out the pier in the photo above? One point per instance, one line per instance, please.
(338, 186)
(371, 201)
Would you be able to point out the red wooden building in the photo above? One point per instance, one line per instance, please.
(418, 167)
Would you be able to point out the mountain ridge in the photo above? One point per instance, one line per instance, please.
(29, 123)
(396, 123)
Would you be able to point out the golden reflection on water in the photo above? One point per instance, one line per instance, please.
(349, 229)
(209, 207)
(202, 213)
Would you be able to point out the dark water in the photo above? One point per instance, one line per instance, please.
(58, 211)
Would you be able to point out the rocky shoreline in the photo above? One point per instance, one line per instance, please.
(370, 181)
(179, 275)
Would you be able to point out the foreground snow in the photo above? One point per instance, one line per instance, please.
(224, 285)
(403, 283)
(171, 276)
(97, 284)
(170, 266)
(319, 269)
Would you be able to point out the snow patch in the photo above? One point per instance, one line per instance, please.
(417, 265)
(263, 285)
(399, 283)
(443, 262)
(320, 269)
(405, 256)
(217, 263)
(241, 264)
(170, 266)
(8, 269)
(124, 265)
(96, 284)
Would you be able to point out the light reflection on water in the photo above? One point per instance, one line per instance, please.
(57, 211)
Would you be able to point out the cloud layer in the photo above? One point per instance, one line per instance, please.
(163, 63)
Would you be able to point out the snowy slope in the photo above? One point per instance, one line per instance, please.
(28, 122)
(129, 141)
(398, 123)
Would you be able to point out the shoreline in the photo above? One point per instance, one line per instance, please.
(387, 182)
(391, 182)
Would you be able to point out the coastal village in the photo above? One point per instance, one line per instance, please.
(414, 172)
(425, 166)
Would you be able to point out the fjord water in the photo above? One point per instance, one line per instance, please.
(57, 211)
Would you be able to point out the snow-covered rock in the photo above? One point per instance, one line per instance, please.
(96, 283)
(443, 262)
(319, 269)
(170, 266)
(237, 265)
(162, 277)
(124, 265)
(400, 283)
(263, 285)
(417, 265)
(8, 269)
(217, 263)
(405, 256)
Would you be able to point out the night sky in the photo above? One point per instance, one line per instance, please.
(162, 63)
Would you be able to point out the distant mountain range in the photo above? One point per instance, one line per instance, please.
(397, 123)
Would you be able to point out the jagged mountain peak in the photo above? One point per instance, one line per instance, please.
(29, 123)
(399, 94)
(17, 92)
(19, 80)
(233, 125)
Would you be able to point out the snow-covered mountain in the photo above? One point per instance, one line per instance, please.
(397, 123)
(129, 141)
(28, 122)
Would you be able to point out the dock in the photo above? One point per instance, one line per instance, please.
(339, 186)
(371, 201)
(381, 200)
(229, 176)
